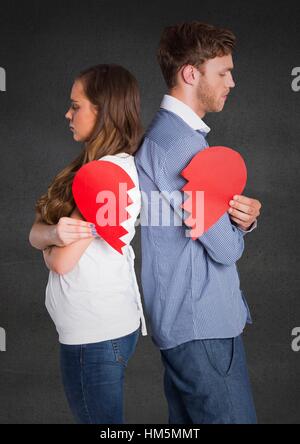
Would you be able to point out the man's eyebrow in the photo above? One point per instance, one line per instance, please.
(230, 68)
(73, 100)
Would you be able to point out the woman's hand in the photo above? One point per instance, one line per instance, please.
(65, 232)
(69, 230)
(63, 258)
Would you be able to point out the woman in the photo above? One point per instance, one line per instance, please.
(92, 293)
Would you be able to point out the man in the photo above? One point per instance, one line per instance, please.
(196, 309)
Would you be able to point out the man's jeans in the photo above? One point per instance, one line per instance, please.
(206, 382)
(93, 376)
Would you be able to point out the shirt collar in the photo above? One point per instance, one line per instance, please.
(182, 110)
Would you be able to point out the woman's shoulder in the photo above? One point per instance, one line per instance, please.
(125, 161)
(117, 157)
(122, 159)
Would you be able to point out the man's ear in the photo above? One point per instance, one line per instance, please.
(189, 74)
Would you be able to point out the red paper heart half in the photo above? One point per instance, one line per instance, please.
(214, 176)
(100, 190)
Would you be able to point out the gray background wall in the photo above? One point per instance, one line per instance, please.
(43, 44)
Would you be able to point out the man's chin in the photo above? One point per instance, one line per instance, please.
(216, 108)
(219, 108)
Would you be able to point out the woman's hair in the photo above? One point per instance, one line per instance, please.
(115, 93)
(191, 44)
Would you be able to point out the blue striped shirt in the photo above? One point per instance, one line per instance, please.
(191, 288)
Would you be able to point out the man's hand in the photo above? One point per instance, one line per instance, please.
(244, 211)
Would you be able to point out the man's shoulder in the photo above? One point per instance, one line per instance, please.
(166, 131)
(167, 126)
(168, 137)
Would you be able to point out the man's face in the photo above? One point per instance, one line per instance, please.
(215, 83)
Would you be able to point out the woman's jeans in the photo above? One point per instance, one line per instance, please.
(93, 376)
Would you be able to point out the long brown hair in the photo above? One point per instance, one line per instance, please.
(115, 93)
(191, 44)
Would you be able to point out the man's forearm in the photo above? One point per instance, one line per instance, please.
(223, 242)
(41, 235)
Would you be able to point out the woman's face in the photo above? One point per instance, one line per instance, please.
(82, 114)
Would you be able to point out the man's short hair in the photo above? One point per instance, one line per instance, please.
(191, 44)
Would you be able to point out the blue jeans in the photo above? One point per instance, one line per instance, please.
(93, 376)
(206, 382)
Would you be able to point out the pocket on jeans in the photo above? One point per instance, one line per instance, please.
(221, 354)
(124, 347)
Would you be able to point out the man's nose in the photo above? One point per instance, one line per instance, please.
(68, 115)
(230, 82)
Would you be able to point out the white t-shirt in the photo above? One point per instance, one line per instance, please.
(99, 298)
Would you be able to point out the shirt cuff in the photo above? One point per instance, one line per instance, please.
(251, 228)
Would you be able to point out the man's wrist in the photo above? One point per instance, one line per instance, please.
(248, 229)
(242, 227)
